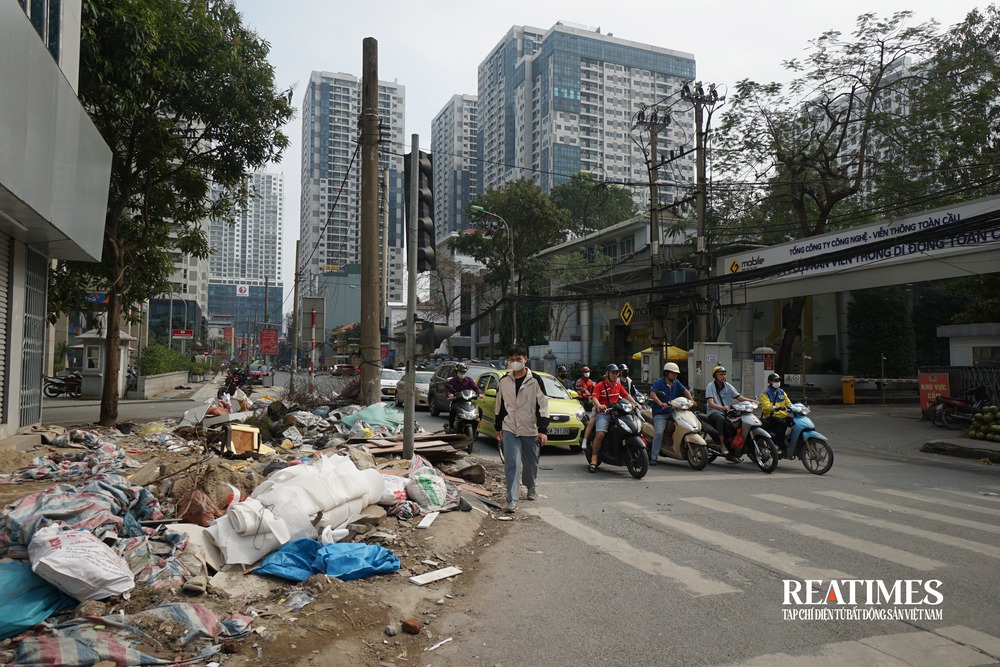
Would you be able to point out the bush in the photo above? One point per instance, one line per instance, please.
(157, 359)
(198, 368)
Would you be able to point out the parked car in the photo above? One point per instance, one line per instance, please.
(565, 412)
(258, 372)
(343, 369)
(437, 396)
(421, 385)
(388, 379)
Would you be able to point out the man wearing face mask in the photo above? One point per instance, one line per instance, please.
(563, 376)
(456, 383)
(607, 392)
(773, 404)
(522, 422)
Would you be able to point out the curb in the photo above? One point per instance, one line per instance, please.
(951, 449)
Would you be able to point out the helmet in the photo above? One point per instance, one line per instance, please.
(623, 368)
(671, 367)
(774, 377)
(718, 369)
(585, 369)
(611, 368)
(461, 368)
(561, 369)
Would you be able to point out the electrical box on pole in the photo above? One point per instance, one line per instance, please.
(426, 238)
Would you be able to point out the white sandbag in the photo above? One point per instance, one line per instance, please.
(375, 486)
(341, 515)
(428, 491)
(251, 518)
(394, 489)
(240, 549)
(79, 564)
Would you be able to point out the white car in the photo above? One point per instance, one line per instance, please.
(388, 379)
(421, 384)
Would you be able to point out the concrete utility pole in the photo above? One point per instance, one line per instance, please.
(384, 295)
(701, 100)
(655, 122)
(411, 297)
(295, 319)
(371, 347)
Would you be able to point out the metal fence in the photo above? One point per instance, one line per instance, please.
(966, 378)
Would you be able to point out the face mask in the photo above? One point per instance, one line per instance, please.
(517, 366)
(775, 384)
(461, 376)
(586, 375)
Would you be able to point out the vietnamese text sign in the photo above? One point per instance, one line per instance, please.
(269, 341)
(932, 385)
(183, 334)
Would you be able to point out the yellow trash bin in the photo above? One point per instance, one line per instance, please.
(847, 382)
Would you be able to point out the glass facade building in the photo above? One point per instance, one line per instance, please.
(457, 172)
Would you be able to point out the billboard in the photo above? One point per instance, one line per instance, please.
(269, 341)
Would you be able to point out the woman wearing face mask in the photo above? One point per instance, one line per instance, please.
(456, 384)
(773, 402)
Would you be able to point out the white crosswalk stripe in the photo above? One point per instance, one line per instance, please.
(745, 549)
(940, 502)
(951, 541)
(838, 539)
(912, 511)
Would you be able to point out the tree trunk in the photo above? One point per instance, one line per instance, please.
(112, 351)
(783, 364)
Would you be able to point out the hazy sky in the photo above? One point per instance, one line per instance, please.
(434, 48)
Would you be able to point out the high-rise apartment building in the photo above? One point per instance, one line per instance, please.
(245, 271)
(330, 230)
(556, 102)
(457, 169)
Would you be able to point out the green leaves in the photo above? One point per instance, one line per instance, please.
(593, 204)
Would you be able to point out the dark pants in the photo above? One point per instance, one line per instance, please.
(721, 426)
(776, 426)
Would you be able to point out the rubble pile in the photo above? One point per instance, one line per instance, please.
(105, 564)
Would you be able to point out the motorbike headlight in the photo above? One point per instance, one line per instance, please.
(580, 414)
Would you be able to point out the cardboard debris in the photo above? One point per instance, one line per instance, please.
(225, 419)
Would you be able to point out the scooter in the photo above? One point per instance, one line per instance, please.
(750, 438)
(237, 379)
(622, 444)
(806, 443)
(687, 442)
(957, 413)
(464, 416)
(71, 385)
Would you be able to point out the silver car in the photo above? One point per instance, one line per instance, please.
(388, 380)
(421, 384)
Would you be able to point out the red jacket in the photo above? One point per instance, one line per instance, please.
(585, 387)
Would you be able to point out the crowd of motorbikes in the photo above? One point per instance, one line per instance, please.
(695, 440)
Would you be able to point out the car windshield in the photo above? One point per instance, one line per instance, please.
(258, 368)
(552, 387)
(422, 377)
(391, 375)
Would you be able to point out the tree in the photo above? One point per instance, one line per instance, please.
(535, 224)
(814, 143)
(881, 330)
(445, 297)
(593, 204)
(183, 94)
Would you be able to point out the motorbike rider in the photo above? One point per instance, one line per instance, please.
(457, 383)
(627, 381)
(773, 404)
(664, 390)
(585, 386)
(719, 396)
(606, 393)
(563, 376)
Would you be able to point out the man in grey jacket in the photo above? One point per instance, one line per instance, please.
(522, 422)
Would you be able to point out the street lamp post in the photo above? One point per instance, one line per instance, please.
(510, 250)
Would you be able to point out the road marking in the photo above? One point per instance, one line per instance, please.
(969, 545)
(694, 476)
(957, 646)
(901, 509)
(938, 501)
(771, 559)
(647, 561)
(993, 498)
(880, 551)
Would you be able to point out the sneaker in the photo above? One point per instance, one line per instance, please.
(511, 507)
(532, 494)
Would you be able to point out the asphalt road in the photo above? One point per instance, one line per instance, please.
(689, 568)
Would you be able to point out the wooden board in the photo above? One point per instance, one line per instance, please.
(436, 575)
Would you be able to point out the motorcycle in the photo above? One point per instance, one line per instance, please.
(131, 379)
(70, 385)
(464, 416)
(237, 379)
(956, 413)
(806, 443)
(687, 442)
(623, 443)
(749, 437)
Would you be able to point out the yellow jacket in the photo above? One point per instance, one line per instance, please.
(773, 402)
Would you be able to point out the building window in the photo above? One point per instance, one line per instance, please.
(93, 357)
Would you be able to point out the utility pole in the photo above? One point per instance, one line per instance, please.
(267, 319)
(655, 122)
(384, 296)
(411, 298)
(295, 319)
(702, 101)
(371, 347)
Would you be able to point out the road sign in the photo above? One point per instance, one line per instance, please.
(183, 334)
(627, 313)
(269, 341)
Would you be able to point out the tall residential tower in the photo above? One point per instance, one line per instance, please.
(457, 169)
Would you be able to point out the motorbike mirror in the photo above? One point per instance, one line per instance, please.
(491, 393)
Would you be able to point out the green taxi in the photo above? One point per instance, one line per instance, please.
(565, 412)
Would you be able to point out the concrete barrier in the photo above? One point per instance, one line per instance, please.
(154, 385)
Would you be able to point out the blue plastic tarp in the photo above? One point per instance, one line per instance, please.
(28, 599)
(300, 559)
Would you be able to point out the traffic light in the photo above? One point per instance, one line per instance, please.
(426, 241)
(431, 335)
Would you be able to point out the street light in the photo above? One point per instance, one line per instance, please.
(510, 248)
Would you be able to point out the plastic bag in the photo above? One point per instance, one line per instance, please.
(197, 507)
(394, 489)
(79, 564)
(28, 599)
(292, 561)
(428, 490)
(354, 560)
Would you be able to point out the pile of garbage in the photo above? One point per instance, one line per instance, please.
(237, 487)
